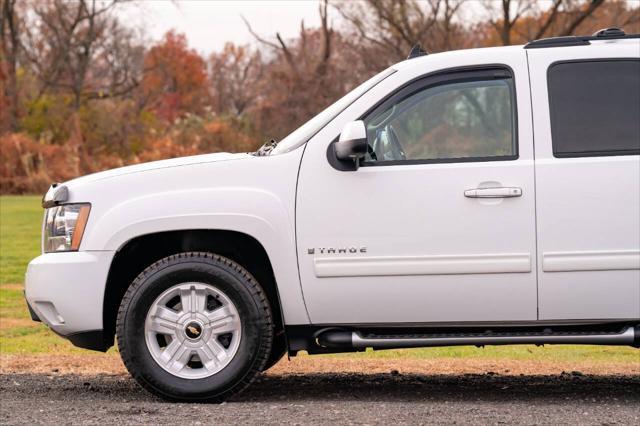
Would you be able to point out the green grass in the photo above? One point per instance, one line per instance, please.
(24, 335)
(20, 222)
(34, 340)
(20, 228)
(12, 304)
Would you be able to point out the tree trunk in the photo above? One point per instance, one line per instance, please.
(9, 34)
(74, 144)
(505, 33)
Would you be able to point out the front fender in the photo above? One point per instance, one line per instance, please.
(228, 209)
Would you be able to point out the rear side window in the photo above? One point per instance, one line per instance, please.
(595, 108)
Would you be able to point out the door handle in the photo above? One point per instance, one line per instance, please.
(501, 192)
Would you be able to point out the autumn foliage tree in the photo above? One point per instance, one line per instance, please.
(80, 91)
(175, 80)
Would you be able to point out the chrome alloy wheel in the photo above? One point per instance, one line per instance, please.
(193, 330)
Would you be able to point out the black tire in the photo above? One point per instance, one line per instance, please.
(236, 283)
(278, 350)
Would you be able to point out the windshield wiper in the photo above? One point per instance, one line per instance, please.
(266, 149)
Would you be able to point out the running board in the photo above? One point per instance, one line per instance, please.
(354, 339)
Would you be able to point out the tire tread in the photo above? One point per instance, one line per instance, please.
(248, 280)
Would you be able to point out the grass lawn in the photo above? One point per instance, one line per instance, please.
(20, 228)
(20, 221)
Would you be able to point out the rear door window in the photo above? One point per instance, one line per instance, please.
(595, 107)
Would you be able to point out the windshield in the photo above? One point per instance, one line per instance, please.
(305, 132)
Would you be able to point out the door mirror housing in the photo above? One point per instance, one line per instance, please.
(352, 144)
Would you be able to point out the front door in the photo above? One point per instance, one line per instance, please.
(437, 224)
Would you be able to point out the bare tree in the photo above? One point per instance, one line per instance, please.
(561, 18)
(384, 31)
(548, 20)
(318, 63)
(395, 26)
(578, 16)
(233, 74)
(117, 67)
(449, 14)
(504, 15)
(80, 47)
(10, 45)
(302, 75)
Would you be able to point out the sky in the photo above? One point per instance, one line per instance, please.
(208, 25)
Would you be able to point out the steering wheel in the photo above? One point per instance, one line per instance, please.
(372, 153)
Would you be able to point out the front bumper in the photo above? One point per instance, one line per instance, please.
(66, 292)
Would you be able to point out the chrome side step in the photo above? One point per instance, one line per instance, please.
(357, 340)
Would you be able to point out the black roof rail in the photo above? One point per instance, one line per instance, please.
(603, 34)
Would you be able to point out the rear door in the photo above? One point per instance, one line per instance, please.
(586, 111)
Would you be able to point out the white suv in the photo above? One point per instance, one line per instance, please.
(479, 197)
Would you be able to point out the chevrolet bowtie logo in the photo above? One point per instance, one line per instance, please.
(193, 330)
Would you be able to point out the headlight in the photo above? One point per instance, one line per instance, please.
(64, 226)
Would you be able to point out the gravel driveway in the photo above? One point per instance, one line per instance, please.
(344, 398)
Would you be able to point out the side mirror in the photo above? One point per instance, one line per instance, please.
(352, 144)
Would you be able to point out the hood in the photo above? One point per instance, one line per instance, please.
(155, 165)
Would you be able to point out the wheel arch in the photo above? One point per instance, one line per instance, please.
(141, 251)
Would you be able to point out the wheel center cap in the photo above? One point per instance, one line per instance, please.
(193, 330)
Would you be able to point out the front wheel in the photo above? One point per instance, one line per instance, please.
(195, 327)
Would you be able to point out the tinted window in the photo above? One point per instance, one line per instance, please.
(451, 121)
(595, 108)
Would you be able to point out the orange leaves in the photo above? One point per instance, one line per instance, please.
(28, 166)
(175, 79)
(134, 102)
(215, 127)
(166, 147)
